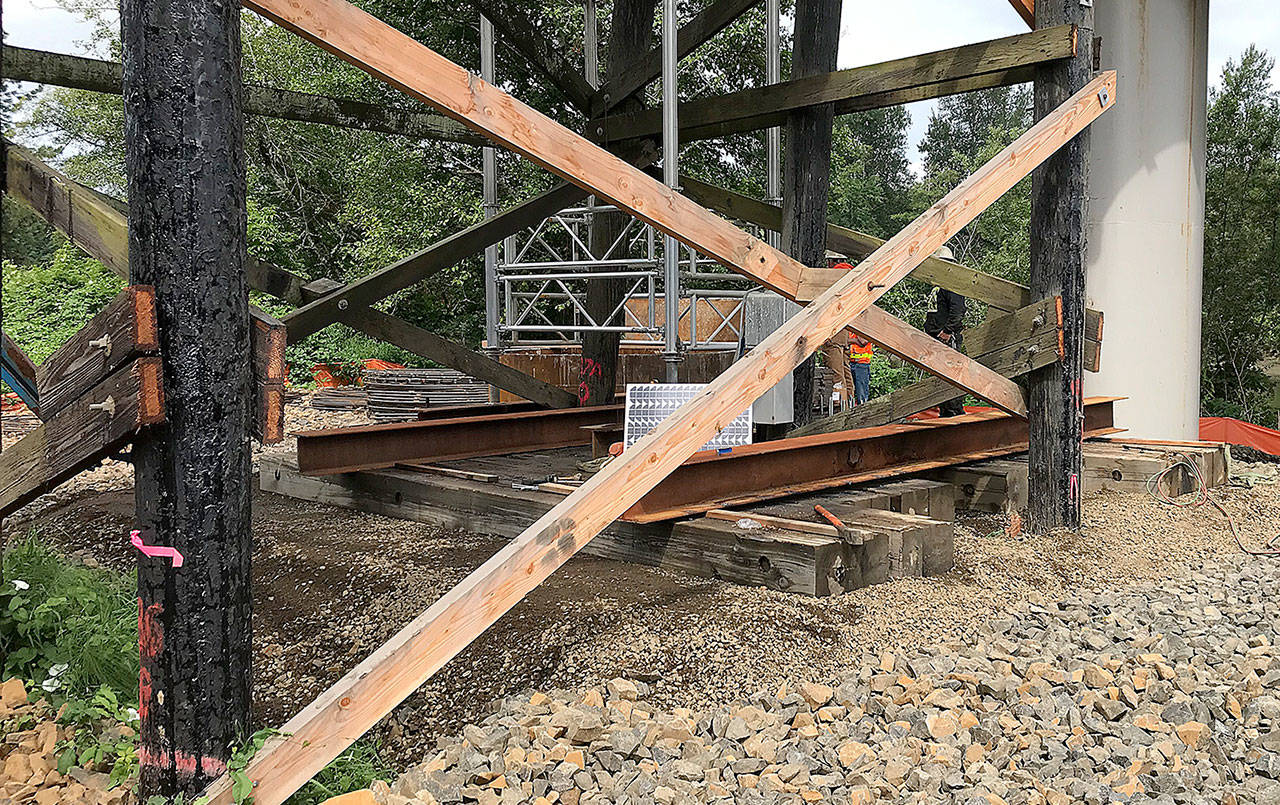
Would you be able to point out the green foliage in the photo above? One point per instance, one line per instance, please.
(70, 629)
(1241, 309)
(47, 302)
(353, 770)
(964, 132)
(241, 785)
(106, 736)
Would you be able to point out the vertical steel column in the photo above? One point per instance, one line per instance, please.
(489, 169)
(591, 42)
(773, 134)
(670, 175)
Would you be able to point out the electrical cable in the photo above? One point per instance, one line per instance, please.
(1155, 489)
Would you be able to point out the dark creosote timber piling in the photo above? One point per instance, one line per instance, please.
(185, 162)
(806, 182)
(630, 37)
(1058, 209)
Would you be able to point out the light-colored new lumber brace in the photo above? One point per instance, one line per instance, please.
(374, 687)
(1027, 10)
(515, 125)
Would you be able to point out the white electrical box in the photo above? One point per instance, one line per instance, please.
(762, 313)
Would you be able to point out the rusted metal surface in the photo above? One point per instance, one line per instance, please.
(482, 409)
(793, 466)
(324, 452)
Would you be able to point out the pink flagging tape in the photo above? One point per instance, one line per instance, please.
(155, 550)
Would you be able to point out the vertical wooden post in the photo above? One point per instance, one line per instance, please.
(185, 162)
(630, 38)
(1058, 208)
(806, 182)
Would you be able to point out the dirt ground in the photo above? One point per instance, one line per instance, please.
(331, 584)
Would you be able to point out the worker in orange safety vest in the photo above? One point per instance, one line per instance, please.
(860, 351)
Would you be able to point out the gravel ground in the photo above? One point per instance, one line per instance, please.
(331, 584)
(1158, 692)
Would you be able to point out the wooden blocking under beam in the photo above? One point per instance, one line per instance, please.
(790, 561)
(98, 423)
(124, 329)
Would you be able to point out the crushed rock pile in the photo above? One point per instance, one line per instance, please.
(32, 740)
(1165, 693)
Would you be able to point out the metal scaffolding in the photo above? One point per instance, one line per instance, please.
(536, 282)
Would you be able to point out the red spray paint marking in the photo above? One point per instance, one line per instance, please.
(589, 369)
(155, 550)
(185, 763)
(150, 642)
(1073, 493)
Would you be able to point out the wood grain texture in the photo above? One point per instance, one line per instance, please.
(995, 291)
(78, 436)
(382, 51)
(95, 75)
(351, 706)
(123, 330)
(759, 107)
(951, 367)
(449, 499)
(1010, 345)
(92, 222)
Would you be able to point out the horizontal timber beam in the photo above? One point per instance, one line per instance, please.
(427, 344)
(123, 330)
(337, 450)
(796, 466)
(1011, 60)
(526, 131)
(707, 23)
(326, 727)
(995, 291)
(100, 422)
(1012, 345)
(95, 75)
(96, 223)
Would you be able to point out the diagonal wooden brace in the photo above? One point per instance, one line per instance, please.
(323, 729)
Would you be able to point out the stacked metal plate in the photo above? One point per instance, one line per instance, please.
(339, 399)
(397, 394)
(650, 403)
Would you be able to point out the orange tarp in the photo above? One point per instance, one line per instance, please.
(1233, 431)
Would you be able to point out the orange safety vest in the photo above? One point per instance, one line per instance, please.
(861, 354)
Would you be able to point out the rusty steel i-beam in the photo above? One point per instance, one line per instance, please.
(325, 452)
(709, 480)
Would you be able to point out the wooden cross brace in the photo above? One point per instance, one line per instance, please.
(374, 687)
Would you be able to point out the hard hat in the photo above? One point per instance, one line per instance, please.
(944, 253)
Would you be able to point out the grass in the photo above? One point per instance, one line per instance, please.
(65, 627)
(354, 769)
(74, 631)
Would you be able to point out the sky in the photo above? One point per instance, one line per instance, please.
(872, 31)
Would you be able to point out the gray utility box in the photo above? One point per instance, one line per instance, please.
(762, 313)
